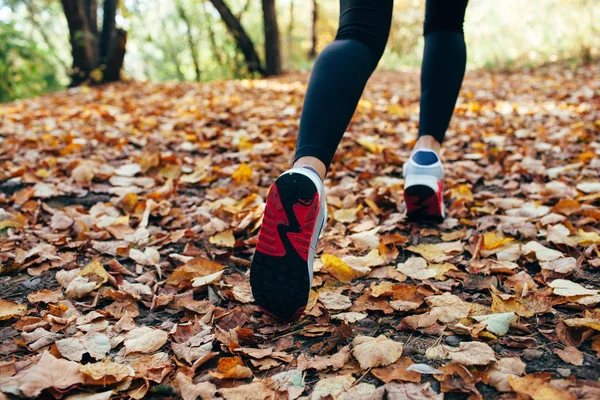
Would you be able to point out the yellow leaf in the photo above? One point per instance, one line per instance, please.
(245, 144)
(42, 173)
(395, 109)
(97, 75)
(461, 192)
(370, 146)
(340, 270)
(584, 238)
(224, 239)
(242, 174)
(492, 241)
(95, 272)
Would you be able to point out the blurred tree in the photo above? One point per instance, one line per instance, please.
(191, 41)
(242, 40)
(312, 53)
(94, 61)
(272, 43)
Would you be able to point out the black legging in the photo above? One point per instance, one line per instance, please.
(341, 72)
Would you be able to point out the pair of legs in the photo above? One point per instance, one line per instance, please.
(295, 211)
(343, 68)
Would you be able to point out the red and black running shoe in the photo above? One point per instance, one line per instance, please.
(282, 267)
(424, 187)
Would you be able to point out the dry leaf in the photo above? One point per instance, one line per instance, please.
(570, 355)
(502, 369)
(374, 352)
(342, 271)
(563, 287)
(231, 368)
(191, 391)
(9, 309)
(223, 239)
(50, 372)
(144, 340)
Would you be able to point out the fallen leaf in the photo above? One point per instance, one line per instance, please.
(538, 388)
(342, 271)
(448, 307)
(397, 372)
(471, 353)
(374, 352)
(9, 309)
(320, 363)
(191, 391)
(196, 268)
(563, 287)
(95, 344)
(50, 372)
(107, 372)
(144, 340)
(331, 387)
(334, 301)
(242, 174)
(231, 368)
(411, 391)
(223, 239)
(499, 372)
(498, 324)
(570, 355)
(150, 256)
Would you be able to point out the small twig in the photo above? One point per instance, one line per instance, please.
(361, 378)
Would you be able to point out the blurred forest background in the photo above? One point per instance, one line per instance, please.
(47, 45)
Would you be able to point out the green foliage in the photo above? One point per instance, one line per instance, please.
(25, 69)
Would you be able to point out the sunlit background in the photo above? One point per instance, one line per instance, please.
(165, 37)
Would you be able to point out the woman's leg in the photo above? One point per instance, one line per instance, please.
(338, 79)
(295, 212)
(442, 72)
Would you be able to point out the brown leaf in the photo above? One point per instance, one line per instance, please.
(256, 390)
(397, 372)
(538, 387)
(198, 267)
(498, 374)
(570, 355)
(320, 363)
(50, 372)
(191, 391)
(106, 372)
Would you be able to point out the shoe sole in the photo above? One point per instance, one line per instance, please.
(423, 204)
(279, 274)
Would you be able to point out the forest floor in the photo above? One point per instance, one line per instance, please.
(129, 213)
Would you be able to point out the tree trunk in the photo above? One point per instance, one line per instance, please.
(272, 44)
(89, 53)
(242, 40)
(312, 53)
(84, 54)
(190, 37)
(114, 63)
(108, 29)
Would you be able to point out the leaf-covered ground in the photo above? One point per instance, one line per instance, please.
(129, 214)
